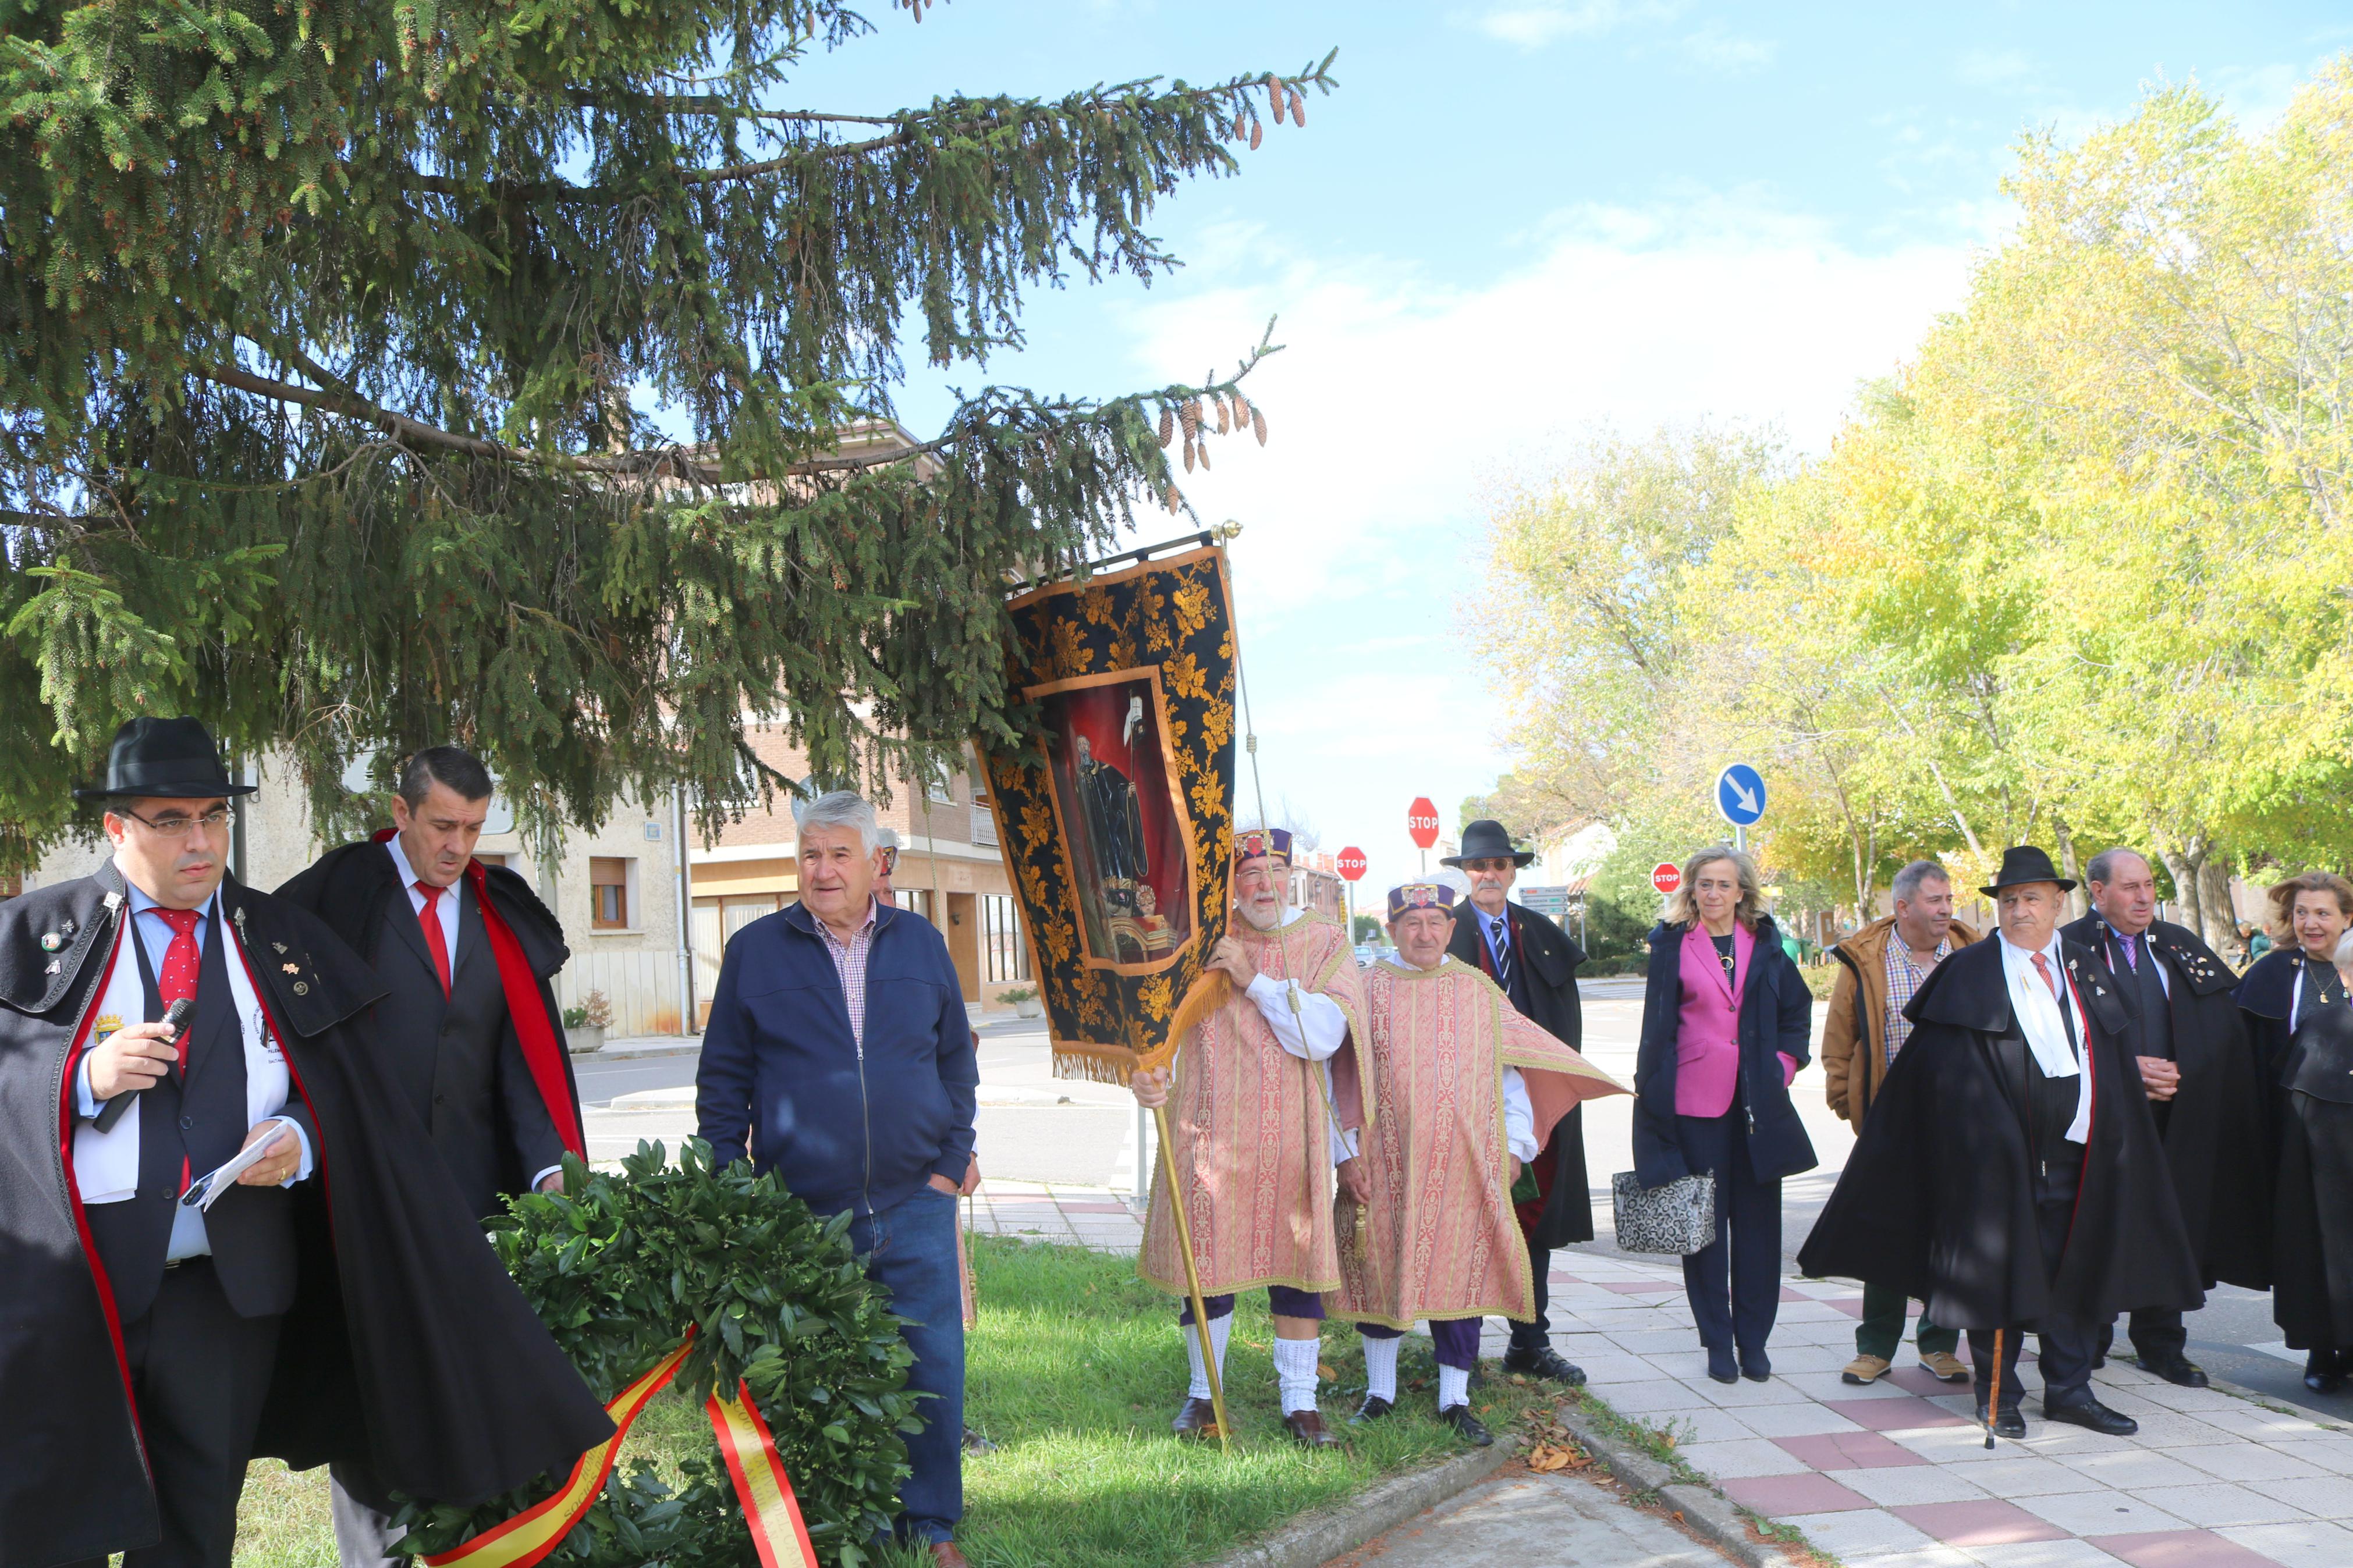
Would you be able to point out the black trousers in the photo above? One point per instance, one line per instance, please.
(198, 1374)
(1536, 1334)
(1733, 1283)
(2066, 1348)
(2157, 1333)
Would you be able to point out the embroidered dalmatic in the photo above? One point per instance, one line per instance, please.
(1250, 1128)
(1437, 1238)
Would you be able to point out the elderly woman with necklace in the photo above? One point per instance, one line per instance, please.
(1726, 1018)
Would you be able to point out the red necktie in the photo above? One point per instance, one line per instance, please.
(435, 943)
(178, 981)
(2043, 968)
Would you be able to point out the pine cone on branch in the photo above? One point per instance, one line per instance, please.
(1190, 412)
(1298, 108)
(1258, 423)
(1274, 92)
(1167, 426)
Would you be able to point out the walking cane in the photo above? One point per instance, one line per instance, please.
(1207, 994)
(1993, 1404)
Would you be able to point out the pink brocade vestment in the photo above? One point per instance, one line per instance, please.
(1250, 1129)
(1437, 1238)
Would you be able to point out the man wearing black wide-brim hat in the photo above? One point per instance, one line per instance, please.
(2010, 1173)
(164, 1316)
(1535, 962)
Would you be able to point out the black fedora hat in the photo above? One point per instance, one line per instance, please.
(173, 759)
(1486, 840)
(2025, 863)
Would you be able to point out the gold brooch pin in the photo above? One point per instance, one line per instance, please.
(291, 968)
(301, 988)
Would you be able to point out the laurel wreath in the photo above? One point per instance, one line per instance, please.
(619, 1267)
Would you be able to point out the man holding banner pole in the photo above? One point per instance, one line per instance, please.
(1264, 1098)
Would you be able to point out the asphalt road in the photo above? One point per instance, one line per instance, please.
(1034, 1126)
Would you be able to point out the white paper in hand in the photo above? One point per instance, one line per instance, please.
(205, 1190)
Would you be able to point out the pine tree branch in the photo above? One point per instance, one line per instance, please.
(911, 128)
(667, 462)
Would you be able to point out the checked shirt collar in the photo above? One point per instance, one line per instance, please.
(849, 963)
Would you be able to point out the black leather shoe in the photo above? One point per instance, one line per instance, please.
(2324, 1372)
(1467, 1426)
(2178, 1370)
(2008, 1424)
(1545, 1362)
(1199, 1418)
(1307, 1426)
(2091, 1416)
(1371, 1410)
(1721, 1366)
(1757, 1368)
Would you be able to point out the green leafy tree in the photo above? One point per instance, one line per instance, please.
(385, 373)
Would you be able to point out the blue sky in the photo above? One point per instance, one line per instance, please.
(1518, 221)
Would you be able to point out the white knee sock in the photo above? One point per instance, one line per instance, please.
(1380, 1369)
(1453, 1388)
(1219, 1329)
(1294, 1370)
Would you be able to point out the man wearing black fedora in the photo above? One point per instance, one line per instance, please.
(216, 1241)
(2010, 1174)
(1535, 962)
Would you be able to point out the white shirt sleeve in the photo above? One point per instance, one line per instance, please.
(1344, 1142)
(1519, 1118)
(1317, 1029)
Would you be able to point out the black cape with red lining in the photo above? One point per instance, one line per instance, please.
(407, 1347)
(1937, 1199)
(355, 889)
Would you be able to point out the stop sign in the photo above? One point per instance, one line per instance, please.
(1351, 863)
(1666, 876)
(1421, 821)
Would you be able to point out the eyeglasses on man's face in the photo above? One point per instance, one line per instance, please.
(1503, 864)
(176, 824)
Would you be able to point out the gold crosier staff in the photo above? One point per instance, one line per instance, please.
(1209, 992)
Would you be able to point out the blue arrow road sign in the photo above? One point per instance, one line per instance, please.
(1740, 794)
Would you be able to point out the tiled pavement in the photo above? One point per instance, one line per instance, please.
(1897, 1475)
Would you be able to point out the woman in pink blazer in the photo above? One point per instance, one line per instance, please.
(1725, 1020)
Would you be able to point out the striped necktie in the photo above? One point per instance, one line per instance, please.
(1502, 952)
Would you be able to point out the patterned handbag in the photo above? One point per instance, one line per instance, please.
(1678, 1219)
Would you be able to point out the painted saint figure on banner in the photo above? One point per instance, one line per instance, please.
(1121, 818)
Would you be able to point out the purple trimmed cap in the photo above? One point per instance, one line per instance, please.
(1260, 843)
(1419, 896)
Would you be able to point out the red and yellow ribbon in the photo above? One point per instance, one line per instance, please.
(762, 1487)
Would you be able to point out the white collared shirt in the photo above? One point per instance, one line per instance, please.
(2042, 1018)
(445, 907)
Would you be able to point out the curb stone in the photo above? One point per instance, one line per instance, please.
(1316, 1538)
(1707, 1512)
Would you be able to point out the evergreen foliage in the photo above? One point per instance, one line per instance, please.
(333, 332)
(619, 1267)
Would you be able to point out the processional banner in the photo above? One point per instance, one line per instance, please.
(1115, 807)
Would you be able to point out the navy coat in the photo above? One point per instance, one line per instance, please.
(846, 1124)
(1777, 1015)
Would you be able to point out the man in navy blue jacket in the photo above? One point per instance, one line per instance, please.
(839, 1055)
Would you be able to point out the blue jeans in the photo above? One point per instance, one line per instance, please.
(911, 1251)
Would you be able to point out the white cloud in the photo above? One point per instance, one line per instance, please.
(2001, 71)
(1713, 49)
(1398, 393)
(1534, 27)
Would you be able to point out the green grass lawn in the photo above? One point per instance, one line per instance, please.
(1074, 1372)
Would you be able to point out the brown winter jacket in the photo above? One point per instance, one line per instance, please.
(1854, 1034)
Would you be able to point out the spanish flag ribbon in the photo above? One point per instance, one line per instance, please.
(770, 1508)
(762, 1488)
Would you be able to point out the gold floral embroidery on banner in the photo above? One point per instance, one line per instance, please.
(1170, 618)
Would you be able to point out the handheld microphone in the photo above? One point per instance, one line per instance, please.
(177, 1017)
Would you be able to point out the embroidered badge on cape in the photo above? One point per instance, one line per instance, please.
(107, 1024)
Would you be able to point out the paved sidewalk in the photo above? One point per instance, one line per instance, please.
(1897, 1475)
(1038, 1211)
